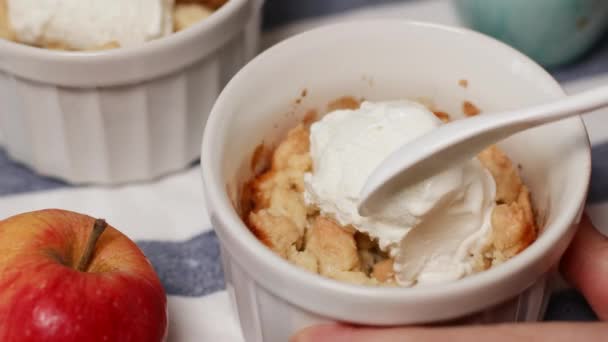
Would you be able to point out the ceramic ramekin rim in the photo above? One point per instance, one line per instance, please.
(245, 247)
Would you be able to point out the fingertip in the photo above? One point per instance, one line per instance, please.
(586, 226)
(587, 242)
(576, 251)
(585, 265)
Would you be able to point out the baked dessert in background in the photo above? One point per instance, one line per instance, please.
(89, 25)
(278, 209)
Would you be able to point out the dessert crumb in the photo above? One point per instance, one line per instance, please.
(463, 83)
(302, 96)
(469, 109)
(443, 116)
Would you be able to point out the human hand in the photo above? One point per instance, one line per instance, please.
(585, 266)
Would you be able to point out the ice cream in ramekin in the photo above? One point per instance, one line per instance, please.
(461, 221)
(89, 25)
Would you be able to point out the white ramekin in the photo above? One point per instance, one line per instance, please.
(381, 60)
(125, 114)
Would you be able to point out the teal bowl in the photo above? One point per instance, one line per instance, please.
(552, 32)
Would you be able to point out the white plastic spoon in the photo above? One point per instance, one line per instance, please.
(461, 140)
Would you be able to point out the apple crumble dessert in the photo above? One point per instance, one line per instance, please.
(285, 208)
(89, 25)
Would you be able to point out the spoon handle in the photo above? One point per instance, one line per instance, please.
(568, 106)
(462, 140)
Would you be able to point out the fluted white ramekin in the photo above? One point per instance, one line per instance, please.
(126, 114)
(383, 60)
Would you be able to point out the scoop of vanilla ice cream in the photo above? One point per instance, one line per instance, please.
(430, 228)
(90, 24)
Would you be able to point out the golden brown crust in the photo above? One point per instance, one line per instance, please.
(261, 155)
(383, 271)
(5, 28)
(188, 14)
(354, 277)
(293, 151)
(279, 233)
(62, 46)
(280, 189)
(276, 200)
(508, 182)
(213, 4)
(334, 247)
(304, 259)
(513, 227)
(345, 102)
(289, 203)
(320, 245)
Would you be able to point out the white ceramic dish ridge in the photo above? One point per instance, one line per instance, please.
(382, 60)
(121, 115)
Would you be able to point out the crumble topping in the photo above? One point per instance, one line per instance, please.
(278, 216)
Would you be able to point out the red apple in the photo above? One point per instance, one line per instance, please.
(64, 278)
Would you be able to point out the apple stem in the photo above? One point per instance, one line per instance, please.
(98, 228)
